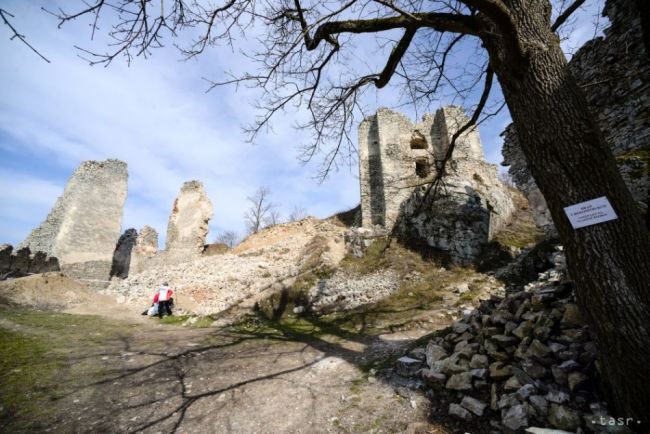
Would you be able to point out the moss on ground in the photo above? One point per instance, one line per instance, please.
(26, 380)
(37, 359)
(188, 320)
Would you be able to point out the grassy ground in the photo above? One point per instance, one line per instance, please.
(36, 360)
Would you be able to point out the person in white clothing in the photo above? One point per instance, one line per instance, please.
(165, 300)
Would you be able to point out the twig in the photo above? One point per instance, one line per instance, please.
(4, 14)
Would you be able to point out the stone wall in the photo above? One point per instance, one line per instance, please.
(144, 250)
(396, 157)
(186, 232)
(188, 222)
(22, 262)
(122, 253)
(85, 222)
(614, 73)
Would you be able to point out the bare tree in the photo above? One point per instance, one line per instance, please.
(15, 35)
(274, 218)
(307, 57)
(229, 238)
(260, 211)
(297, 213)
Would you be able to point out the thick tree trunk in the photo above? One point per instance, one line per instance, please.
(571, 163)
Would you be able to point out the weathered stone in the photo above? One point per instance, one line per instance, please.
(572, 316)
(539, 404)
(480, 373)
(516, 417)
(494, 397)
(557, 396)
(576, 380)
(542, 333)
(407, 366)
(559, 375)
(512, 384)
(563, 417)
(83, 227)
(504, 341)
(460, 327)
(122, 254)
(533, 368)
(474, 405)
(500, 371)
(20, 261)
(525, 329)
(479, 361)
(144, 250)
(434, 353)
(539, 352)
(395, 154)
(492, 331)
(526, 391)
(462, 381)
(494, 352)
(433, 378)
(451, 365)
(188, 222)
(459, 412)
(507, 400)
(556, 347)
(5, 257)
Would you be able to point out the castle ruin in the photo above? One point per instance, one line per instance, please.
(84, 225)
(397, 159)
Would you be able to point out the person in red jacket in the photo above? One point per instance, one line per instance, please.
(164, 298)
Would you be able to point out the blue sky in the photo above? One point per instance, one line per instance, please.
(156, 116)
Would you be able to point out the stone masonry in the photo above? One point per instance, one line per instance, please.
(122, 253)
(186, 232)
(145, 248)
(85, 222)
(397, 157)
(614, 73)
(23, 262)
(188, 222)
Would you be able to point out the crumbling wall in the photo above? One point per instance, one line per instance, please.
(144, 250)
(614, 73)
(397, 157)
(188, 222)
(122, 254)
(186, 232)
(85, 222)
(22, 262)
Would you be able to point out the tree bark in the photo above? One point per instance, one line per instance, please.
(571, 163)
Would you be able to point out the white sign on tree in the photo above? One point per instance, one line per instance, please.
(591, 212)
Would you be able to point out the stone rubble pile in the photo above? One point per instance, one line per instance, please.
(212, 284)
(517, 362)
(343, 291)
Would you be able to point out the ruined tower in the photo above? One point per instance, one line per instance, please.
(84, 224)
(397, 158)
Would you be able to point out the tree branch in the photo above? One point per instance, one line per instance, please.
(566, 14)
(4, 14)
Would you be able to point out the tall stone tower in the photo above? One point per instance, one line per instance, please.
(395, 156)
(398, 158)
(85, 222)
(188, 222)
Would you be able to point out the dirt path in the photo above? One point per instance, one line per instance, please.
(252, 378)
